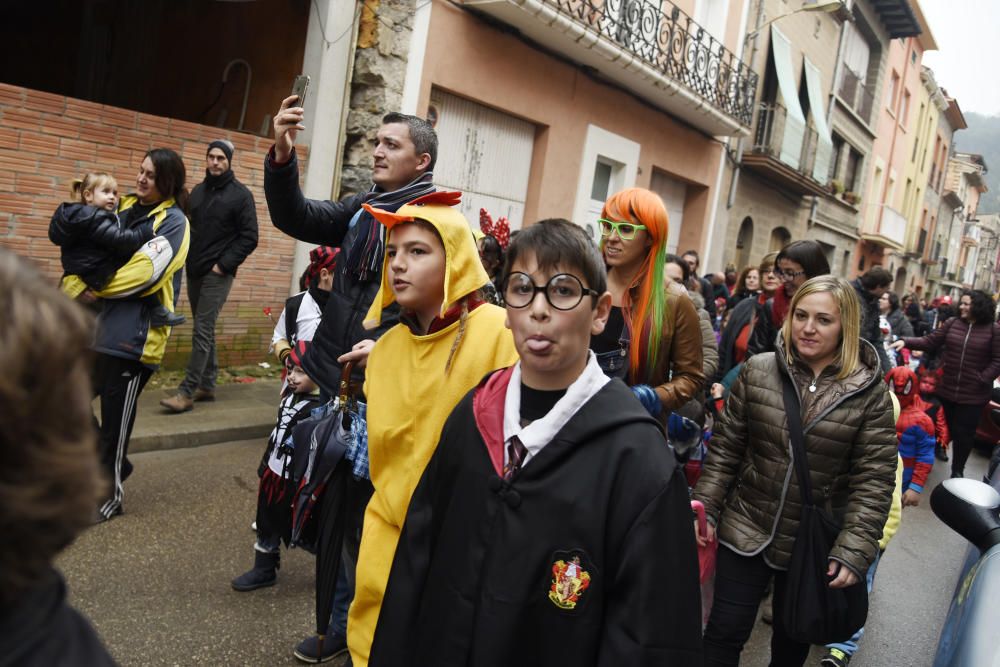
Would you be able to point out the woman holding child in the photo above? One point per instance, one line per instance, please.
(652, 339)
(129, 344)
(748, 486)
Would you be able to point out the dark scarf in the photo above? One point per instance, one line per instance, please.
(365, 259)
(216, 182)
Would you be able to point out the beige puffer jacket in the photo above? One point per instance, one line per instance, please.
(749, 486)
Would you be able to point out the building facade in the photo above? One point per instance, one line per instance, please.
(894, 185)
(545, 108)
(804, 173)
(957, 244)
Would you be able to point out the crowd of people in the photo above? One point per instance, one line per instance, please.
(539, 410)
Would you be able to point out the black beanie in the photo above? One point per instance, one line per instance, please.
(223, 145)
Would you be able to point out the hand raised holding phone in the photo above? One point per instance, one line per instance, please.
(288, 120)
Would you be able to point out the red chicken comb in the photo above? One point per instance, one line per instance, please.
(440, 197)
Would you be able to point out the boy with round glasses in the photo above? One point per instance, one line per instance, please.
(552, 524)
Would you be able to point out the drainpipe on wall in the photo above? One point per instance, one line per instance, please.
(897, 106)
(758, 22)
(329, 65)
(838, 69)
(710, 244)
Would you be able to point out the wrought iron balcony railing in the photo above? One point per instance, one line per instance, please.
(668, 40)
(784, 151)
(770, 138)
(856, 94)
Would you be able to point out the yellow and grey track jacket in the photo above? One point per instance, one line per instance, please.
(123, 328)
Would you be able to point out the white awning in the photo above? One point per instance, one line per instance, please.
(824, 145)
(795, 120)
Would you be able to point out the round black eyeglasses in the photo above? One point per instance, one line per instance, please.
(563, 291)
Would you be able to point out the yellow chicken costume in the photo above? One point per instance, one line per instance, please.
(412, 383)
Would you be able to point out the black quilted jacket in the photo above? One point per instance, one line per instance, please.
(94, 244)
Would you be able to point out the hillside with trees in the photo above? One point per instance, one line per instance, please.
(983, 137)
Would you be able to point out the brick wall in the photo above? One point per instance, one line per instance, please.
(47, 140)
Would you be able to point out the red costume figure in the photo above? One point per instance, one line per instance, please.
(932, 406)
(915, 433)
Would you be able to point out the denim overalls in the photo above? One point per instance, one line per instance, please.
(614, 363)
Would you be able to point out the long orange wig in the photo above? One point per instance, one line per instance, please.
(645, 302)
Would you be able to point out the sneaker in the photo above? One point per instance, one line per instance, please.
(203, 395)
(939, 453)
(308, 649)
(100, 518)
(835, 658)
(178, 403)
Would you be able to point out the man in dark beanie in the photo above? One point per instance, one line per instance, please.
(223, 234)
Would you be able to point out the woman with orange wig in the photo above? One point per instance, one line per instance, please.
(652, 340)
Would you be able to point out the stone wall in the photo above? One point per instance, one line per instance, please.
(377, 84)
(47, 140)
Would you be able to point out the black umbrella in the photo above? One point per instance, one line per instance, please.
(329, 542)
(322, 503)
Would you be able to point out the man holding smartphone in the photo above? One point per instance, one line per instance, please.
(404, 156)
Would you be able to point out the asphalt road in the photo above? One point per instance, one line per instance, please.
(155, 582)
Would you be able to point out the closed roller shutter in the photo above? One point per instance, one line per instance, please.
(484, 153)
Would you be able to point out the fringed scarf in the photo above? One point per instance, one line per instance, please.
(365, 259)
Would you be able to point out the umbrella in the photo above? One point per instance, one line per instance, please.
(322, 503)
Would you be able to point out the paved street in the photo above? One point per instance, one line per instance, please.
(155, 582)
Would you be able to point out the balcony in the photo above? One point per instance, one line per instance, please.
(971, 234)
(651, 48)
(856, 95)
(889, 231)
(780, 154)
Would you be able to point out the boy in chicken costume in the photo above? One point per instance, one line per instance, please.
(446, 341)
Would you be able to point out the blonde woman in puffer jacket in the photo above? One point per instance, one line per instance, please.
(749, 486)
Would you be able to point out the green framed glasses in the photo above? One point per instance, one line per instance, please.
(625, 230)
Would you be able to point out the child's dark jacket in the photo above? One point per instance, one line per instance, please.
(478, 574)
(94, 243)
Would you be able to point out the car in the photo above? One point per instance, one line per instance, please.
(972, 509)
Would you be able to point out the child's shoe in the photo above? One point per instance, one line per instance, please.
(161, 317)
(939, 452)
(835, 658)
(264, 572)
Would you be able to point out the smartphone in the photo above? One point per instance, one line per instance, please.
(300, 87)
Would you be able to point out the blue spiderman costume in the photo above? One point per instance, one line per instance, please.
(914, 430)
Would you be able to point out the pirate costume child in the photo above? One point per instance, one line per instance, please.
(277, 490)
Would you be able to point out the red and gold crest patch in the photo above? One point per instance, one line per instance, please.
(569, 581)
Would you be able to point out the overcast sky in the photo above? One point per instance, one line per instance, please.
(967, 62)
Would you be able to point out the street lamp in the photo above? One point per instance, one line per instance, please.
(827, 7)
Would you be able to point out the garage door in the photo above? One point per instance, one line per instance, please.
(484, 153)
(674, 194)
